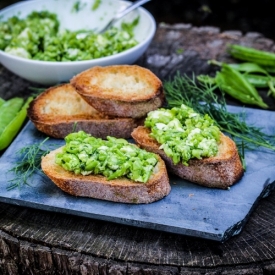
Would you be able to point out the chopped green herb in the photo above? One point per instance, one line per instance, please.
(29, 162)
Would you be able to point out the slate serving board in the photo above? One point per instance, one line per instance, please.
(189, 209)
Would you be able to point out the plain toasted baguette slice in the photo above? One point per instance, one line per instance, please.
(61, 110)
(120, 90)
(98, 187)
(220, 171)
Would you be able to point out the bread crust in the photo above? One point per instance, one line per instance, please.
(60, 111)
(120, 90)
(220, 171)
(96, 186)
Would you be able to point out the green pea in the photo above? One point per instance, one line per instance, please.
(8, 111)
(11, 130)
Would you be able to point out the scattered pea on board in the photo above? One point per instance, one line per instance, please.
(8, 110)
(13, 113)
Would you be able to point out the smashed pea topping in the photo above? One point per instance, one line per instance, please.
(183, 133)
(38, 37)
(112, 158)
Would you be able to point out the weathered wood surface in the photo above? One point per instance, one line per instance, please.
(38, 242)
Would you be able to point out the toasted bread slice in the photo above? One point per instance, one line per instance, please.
(61, 110)
(120, 90)
(220, 171)
(98, 187)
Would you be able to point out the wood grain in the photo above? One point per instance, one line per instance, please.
(39, 242)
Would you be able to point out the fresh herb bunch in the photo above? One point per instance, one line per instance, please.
(203, 99)
(28, 163)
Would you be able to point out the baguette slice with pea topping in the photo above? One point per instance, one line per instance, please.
(192, 147)
(111, 169)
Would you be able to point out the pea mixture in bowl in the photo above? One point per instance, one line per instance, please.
(38, 37)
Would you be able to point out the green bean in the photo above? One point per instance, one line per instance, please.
(8, 110)
(11, 130)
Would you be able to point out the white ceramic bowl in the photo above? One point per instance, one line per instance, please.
(49, 73)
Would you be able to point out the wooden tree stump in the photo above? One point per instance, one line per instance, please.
(40, 242)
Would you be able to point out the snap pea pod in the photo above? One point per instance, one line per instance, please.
(255, 74)
(249, 54)
(2, 101)
(235, 94)
(11, 130)
(259, 81)
(246, 67)
(8, 110)
(234, 83)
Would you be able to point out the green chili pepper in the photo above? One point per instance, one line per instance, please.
(10, 131)
(8, 110)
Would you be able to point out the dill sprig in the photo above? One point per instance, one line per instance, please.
(28, 163)
(203, 99)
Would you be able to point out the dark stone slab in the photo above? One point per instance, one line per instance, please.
(188, 210)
